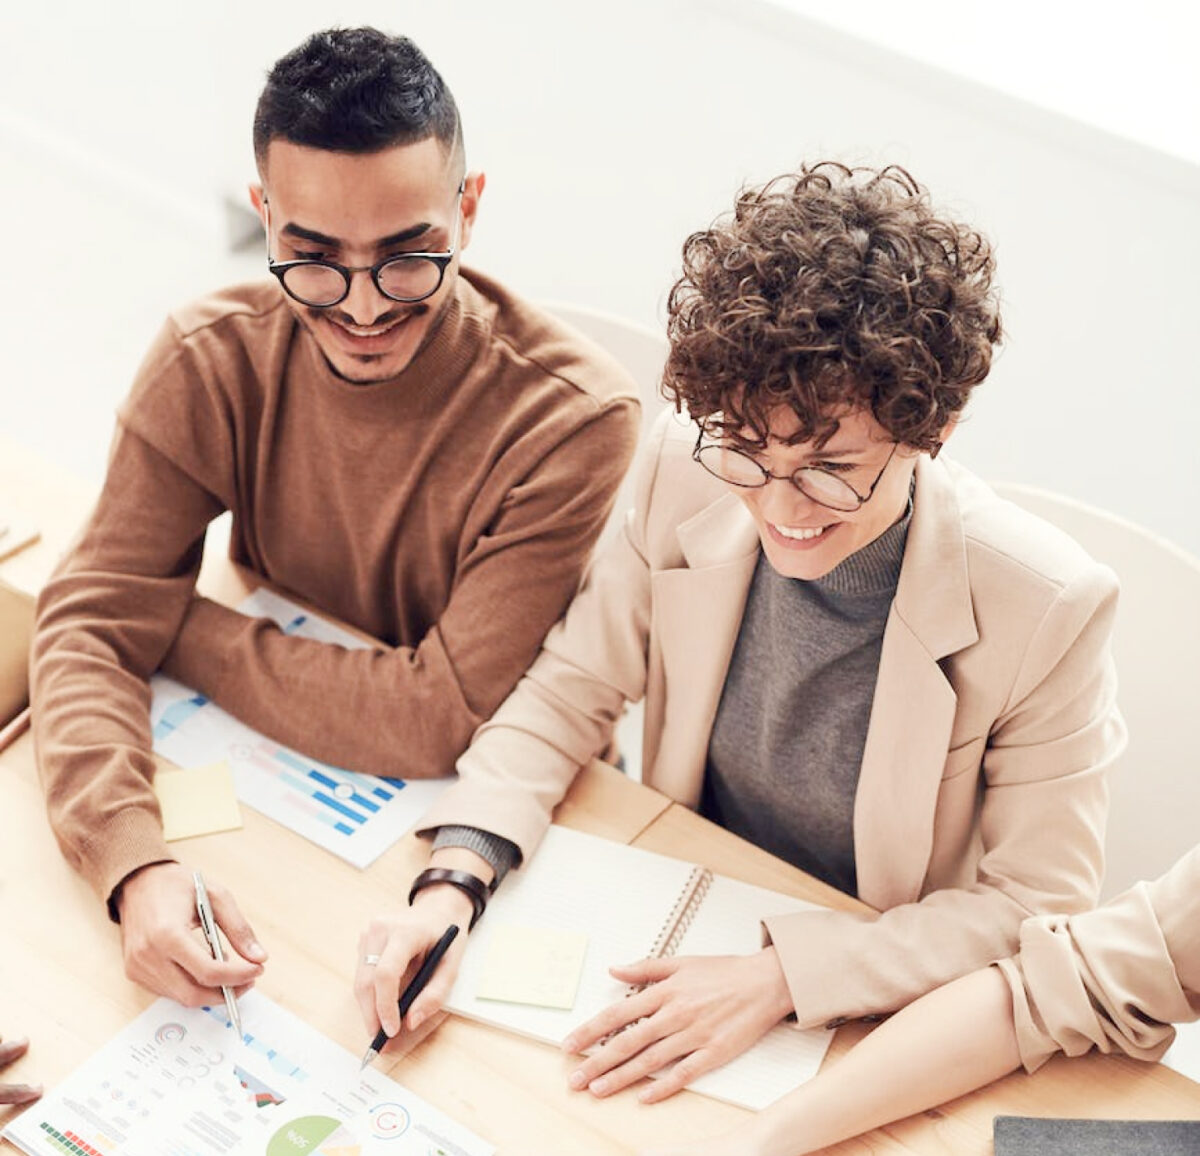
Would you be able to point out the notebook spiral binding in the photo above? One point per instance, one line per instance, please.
(680, 918)
(670, 934)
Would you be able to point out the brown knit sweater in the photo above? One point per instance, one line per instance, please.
(448, 512)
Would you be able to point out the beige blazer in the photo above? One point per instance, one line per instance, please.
(1115, 978)
(982, 792)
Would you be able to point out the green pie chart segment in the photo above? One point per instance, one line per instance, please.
(310, 1136)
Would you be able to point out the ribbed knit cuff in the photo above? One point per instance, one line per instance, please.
(129, 840)
(498, 851)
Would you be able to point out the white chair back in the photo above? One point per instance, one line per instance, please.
(1155, 812)
(642, 351)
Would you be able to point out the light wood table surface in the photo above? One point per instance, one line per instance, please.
(55, 500)
(1093, 1086)
(62, 980)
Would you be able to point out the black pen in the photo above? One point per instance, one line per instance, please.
(415, 986)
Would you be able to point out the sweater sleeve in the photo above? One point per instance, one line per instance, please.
(1115, 978)
(1041, 822)
(410, 711)
(105, 619)
(562, 713)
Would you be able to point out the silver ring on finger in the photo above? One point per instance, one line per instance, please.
(370, 960)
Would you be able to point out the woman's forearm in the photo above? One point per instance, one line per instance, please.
(951, 1041)
(956, 1039)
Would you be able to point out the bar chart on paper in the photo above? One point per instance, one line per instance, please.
(355, 816)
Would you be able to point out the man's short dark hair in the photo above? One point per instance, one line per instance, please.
(355, 90)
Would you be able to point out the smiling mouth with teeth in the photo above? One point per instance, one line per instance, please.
(369, 331)
(801, 535)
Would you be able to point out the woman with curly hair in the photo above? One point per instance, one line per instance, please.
(851, 651)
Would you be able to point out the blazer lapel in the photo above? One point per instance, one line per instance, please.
(913, 711)
(697, 614)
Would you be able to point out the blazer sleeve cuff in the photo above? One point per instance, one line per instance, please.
(1102, 979)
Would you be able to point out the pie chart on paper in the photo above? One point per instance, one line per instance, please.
(314, 1136)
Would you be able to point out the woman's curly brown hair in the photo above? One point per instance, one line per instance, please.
(827, 290)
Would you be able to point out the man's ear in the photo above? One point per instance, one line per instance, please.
(258, 199)
(473, 184)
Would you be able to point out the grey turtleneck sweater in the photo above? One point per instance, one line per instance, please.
(788, 738)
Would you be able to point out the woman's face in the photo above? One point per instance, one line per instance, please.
(803, 539)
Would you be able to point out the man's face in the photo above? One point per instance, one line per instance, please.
(357, 209)
(802, 539)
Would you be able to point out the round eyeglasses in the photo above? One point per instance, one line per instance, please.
(406, 277)
(824, 487)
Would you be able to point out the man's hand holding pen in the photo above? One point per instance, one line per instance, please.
(162, 951)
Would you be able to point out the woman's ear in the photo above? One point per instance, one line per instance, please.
(943, 437)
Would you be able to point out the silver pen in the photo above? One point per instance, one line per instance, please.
(209, 926)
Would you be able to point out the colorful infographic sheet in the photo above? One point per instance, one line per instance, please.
(355, 816)
(178, 1082)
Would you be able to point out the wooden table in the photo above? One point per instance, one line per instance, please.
(54, 500)
(1092, 1086)
(62, 980)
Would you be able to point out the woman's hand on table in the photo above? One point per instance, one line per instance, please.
(163, 951)
(700, 1011)
(10, 1052)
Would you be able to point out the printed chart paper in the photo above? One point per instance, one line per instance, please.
(178, 1082)
(357, 817)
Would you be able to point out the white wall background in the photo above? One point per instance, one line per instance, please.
(609, 132)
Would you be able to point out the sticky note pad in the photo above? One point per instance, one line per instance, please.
(198, 801)
(532, 965)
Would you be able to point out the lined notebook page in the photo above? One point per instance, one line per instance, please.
(729, 921)
(619, 897)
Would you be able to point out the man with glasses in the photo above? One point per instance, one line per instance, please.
(851, 652)
(404, 444)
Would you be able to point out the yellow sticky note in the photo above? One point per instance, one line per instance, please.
(197, 801)
(532, 965)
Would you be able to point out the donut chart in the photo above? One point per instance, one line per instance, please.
(389, 1120)
(314, 1136)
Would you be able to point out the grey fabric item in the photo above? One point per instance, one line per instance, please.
(1033, 1136)
(498, 851)
(787, 742)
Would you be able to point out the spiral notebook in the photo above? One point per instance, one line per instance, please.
(630, 903)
